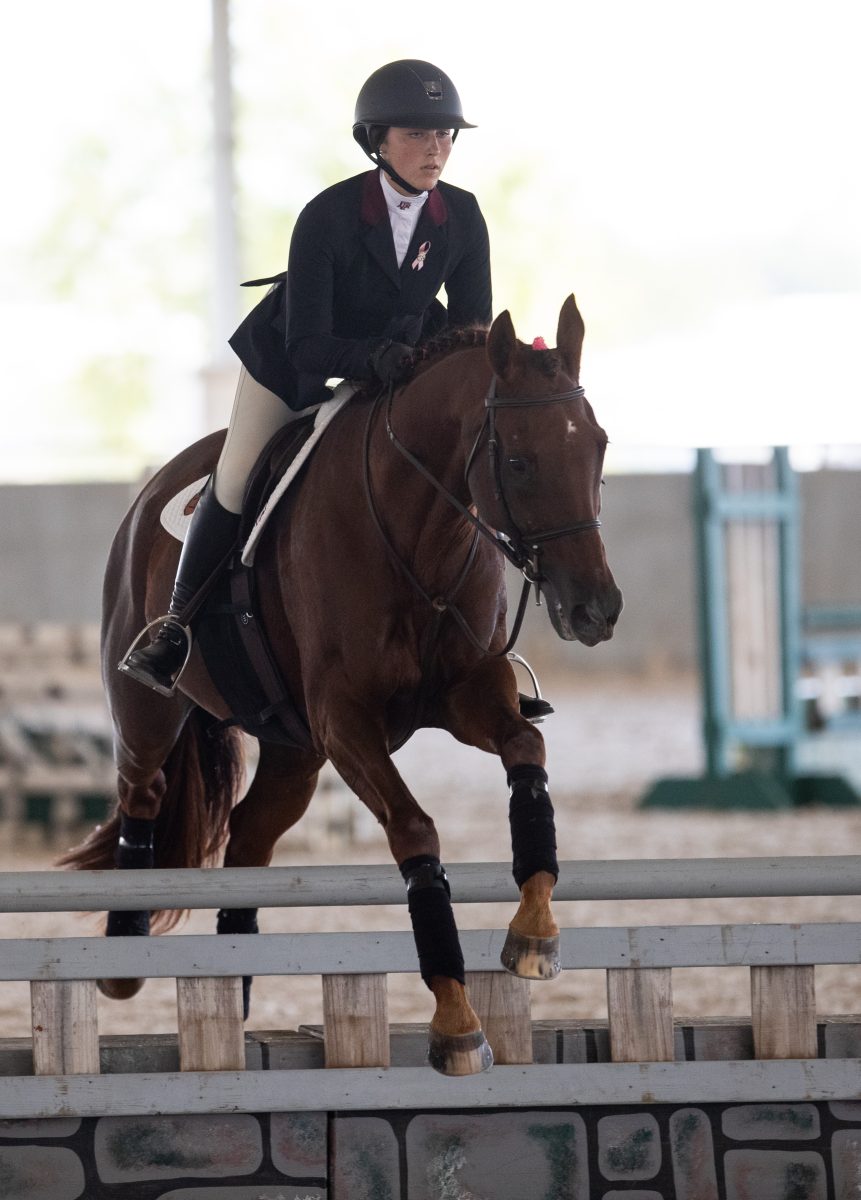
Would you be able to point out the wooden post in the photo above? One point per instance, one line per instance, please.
(356, 1021)
(783, 1012)
(209, 1023)
(753, 587)
(640, 1011)
(65, 1027)
(503, 1004)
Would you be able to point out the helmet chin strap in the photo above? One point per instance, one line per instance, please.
(392, 173)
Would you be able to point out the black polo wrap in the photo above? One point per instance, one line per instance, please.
(429, 902)
(135, 851)
(533, 832)
(236, 920)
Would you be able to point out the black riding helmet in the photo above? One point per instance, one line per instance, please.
(409, 93)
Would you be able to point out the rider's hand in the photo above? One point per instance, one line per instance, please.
(391, 362)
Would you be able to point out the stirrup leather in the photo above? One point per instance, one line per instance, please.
(124, 666)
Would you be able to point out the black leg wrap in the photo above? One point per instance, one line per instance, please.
(239, 920)
(533, 833)
(429, 902)
(135, 848)
(134, 852)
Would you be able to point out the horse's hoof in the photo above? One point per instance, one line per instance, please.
(119, 989)
(459, 1054)
(531, 957)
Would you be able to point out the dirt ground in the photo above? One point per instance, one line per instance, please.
(608, 740)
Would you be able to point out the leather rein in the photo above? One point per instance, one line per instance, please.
(522, 550)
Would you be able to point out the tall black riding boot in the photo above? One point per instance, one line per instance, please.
(210, 536)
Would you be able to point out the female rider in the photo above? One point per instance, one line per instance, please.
(367, 258)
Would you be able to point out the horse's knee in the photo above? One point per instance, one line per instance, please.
(142, 800)
(411, 834)
(523, 745)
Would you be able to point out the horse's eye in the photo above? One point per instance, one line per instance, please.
(519, 467)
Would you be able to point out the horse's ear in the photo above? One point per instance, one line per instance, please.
(501, 344)
(569, 337)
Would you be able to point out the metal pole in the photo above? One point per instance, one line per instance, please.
(225, 309)
(472, 883)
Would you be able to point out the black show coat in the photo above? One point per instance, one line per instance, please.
(343, 293)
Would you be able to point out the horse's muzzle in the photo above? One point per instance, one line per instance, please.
(588, 621)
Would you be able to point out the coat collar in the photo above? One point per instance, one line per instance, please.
(374, 208)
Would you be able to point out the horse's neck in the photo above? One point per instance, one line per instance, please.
(442, 413)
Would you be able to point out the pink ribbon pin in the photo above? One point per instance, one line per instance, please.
(419, 260)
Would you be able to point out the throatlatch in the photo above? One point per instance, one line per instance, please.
(135, 851)
(533, 832)
(429, 902)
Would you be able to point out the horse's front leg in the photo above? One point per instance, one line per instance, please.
(356, 746)
(484, 712)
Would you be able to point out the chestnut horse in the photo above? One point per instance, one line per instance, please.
(381, 585)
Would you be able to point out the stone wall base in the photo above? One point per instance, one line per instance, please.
(786, 1151)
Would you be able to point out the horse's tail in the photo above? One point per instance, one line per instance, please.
(203, 774)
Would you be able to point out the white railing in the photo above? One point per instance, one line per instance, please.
(638, 963)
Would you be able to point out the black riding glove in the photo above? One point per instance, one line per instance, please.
(391, 362)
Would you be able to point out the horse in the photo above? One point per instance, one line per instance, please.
(381, 589)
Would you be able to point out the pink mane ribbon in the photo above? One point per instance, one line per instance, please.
(539, 343)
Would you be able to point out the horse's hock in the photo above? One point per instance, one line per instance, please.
(688, 1110)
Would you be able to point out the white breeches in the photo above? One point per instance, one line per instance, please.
(257, 416)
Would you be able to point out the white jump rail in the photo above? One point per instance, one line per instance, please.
(638, 962)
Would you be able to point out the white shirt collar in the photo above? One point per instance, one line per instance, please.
(401, 204)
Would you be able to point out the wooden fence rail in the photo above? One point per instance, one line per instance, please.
(638, 962)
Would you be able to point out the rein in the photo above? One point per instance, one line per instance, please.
(521, 550)
(440, 604)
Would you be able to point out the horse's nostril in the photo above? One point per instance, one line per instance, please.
(580, 613)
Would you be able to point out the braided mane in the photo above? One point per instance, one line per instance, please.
(548, 362)
(445, 343)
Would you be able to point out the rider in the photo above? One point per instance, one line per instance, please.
(367, 258)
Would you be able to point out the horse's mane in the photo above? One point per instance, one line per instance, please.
(445, 343)
(439, 347)
(434, 349)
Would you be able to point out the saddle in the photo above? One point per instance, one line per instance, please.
(230, 634)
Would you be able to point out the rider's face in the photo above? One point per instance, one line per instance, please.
(418, 155)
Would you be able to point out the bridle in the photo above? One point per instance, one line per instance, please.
(522, 550)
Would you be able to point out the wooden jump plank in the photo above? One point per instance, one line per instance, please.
(209, 1024)
(356, 1021)
(472, 883)
(421, 1088)
(502, 1002)
(65, 1027)
(640, 1011)
(357, 953)
(783, 1012)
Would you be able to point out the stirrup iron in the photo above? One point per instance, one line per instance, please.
(123, 664)
(534, 708)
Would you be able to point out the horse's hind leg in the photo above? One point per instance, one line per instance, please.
(356, 746)
(141, 787)
(484, 712)
(280, 792)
